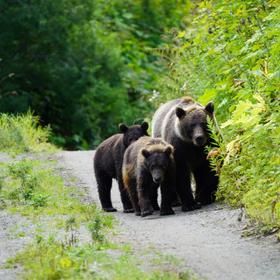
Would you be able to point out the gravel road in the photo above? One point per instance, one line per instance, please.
(15, 233)
(208, 240)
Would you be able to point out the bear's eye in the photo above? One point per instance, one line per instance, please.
(203, 125)
(193, 125)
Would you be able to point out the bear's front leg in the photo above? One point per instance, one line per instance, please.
(127, 205)
(168, 193)
(144, 193)
(154, 198)
(206, 184)
(183, 187)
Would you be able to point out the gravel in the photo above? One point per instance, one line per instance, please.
(208, 241)
(15, 233)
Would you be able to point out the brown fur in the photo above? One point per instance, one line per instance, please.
(145, 161)
(126, 175)
(108, 164)
(187, 100)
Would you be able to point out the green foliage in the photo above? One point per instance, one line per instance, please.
(25, 184)
(32, 189)
(96, 226)
(50, 259)
(229, 53)
(82, 66)
(19, 134)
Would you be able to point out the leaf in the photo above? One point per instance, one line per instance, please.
(181, 34)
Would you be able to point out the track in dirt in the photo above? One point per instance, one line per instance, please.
(207, 240)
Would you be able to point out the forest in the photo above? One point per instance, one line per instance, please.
(82, 66)
(72, 70)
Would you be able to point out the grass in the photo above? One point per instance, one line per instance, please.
(58, 251)
(22, 134)
(50, 259)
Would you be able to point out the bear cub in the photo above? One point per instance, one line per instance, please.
(148, 163)
(108, 162)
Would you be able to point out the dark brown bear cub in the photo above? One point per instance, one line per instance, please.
(183, 124)
(108, 161)
(148, 163)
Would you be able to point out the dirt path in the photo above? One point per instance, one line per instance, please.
(207, 240)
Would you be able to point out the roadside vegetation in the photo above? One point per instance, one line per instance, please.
(70, 235)
(230, 52)
(23, 134)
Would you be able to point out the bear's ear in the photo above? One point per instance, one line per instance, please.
(144, 126)
(180, 112)
(123, 128)
(169, 150)
(209, 108)
(145, 153)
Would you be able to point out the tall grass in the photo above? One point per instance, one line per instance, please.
(22, 133)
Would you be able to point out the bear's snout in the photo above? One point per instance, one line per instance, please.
(199, 140)
(199, 137)
(157, 176)
(157, 180)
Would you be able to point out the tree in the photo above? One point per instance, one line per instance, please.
(82, 66)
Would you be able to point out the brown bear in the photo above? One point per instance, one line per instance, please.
(149, 163)
(183, 124)
(108, 161)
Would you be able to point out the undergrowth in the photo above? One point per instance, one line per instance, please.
(49, 259)
(22, 133)
(32, 189)
(229, 53)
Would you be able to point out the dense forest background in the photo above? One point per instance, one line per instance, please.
(85, 66)
(82, 66)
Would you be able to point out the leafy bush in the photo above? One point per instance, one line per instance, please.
(22, 133)
(230, 53)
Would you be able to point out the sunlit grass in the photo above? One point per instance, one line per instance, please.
(58, 250)
(50, 259)
(22, 134)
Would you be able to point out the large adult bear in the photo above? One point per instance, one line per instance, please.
(108, 161)
(183, 123)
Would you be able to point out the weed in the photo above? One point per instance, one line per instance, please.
(50, 259)
(22, 133)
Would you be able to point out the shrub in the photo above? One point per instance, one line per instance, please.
(22, 133)
(229, 53)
